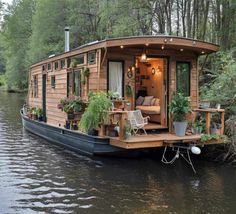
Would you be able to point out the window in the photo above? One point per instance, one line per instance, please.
(53, 81)
(56, 65)
(80, 59)
(183, 77)
(115, 73)
(35, 86)
(68, 62)
(92, 57)
(77, 83)
(43, 67)
(74, 83)
(49, 66)
(62, 63)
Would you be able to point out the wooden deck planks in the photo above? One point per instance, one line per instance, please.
(151, 140)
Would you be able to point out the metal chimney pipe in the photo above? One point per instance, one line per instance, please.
(67, 39)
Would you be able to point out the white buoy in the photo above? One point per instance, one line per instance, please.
(195, 150)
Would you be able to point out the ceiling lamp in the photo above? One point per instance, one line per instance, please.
(143, 57)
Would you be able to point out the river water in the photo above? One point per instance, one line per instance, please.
(38, 177)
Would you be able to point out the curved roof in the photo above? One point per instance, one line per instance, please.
(153, 42)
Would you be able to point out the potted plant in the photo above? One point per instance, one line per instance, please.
(178, 109)
(216, 128)
(39, 113)
(96, 113)
(33, 113)
(197, 127)
(127, 131)
(71, 106)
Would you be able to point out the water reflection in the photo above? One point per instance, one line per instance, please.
(37, 177)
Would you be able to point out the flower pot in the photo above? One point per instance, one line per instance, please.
(40, 118)
(67, 125)
(180, 128)
(70, 115)
(205, 104)
(215, 131)
(197, 130)
(93, 132)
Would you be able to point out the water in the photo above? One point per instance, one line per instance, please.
(37, 177)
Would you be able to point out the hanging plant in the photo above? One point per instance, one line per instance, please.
(128, 90)
(86, 73)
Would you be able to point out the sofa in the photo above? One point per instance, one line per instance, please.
(149, 106)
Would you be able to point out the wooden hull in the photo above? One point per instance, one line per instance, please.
(71, 140)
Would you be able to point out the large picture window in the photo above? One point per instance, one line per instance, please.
(183, 78)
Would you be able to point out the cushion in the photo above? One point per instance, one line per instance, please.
(139, 101)
(157, 102)
(147, 100)
(149, 109)
(153, 101)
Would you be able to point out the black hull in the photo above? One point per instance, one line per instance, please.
(71, 140)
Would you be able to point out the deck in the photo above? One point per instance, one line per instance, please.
(156, 140)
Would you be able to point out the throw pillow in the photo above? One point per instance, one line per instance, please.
(139, 101)
(157, 102)
(153, 101)
(147, 100)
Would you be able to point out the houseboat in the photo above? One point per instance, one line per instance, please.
(144, 72)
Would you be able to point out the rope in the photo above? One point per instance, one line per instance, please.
(178, 153)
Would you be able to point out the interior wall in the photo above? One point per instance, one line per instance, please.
(153, 83)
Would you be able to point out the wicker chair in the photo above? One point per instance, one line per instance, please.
(137, 121)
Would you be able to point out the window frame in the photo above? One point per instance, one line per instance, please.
(188, 78)
(49, 66)
(89, 57)
(56, 65)
(35, 85)
(53, 81)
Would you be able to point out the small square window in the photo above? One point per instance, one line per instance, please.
(53, 81)
(56, 65)
(92, 57)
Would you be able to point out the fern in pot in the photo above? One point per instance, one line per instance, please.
(179, 107)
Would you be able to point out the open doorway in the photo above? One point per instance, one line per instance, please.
(151, 90)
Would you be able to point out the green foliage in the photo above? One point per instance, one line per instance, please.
(179, 107)
(39, 112)
(86, 73)
(207, 137)
(128, 91)
(2, 80)
(16, 32)
(96, 112)
(72, 105)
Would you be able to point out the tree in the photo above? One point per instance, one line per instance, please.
(16, 33)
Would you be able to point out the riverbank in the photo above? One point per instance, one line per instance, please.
(12, 90)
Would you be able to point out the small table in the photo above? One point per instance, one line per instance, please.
(122, 118)
(208, 112)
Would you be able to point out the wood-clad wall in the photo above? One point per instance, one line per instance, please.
(53, 95)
